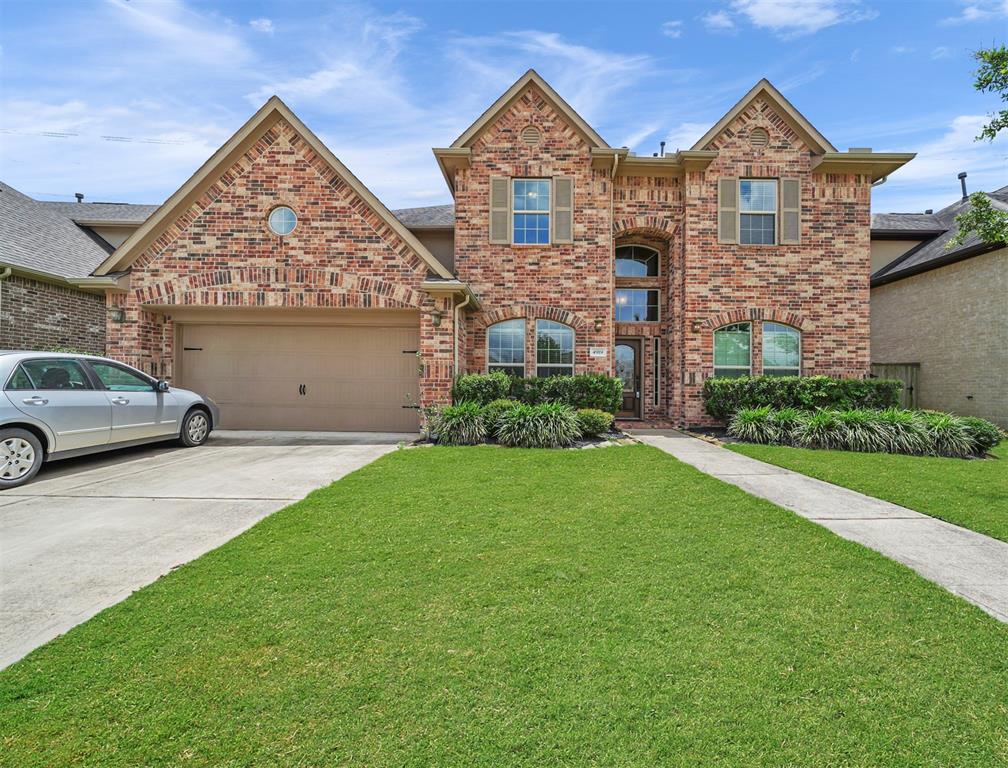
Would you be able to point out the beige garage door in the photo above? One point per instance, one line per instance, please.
(291, 377)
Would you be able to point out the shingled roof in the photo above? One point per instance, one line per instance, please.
(43, 238)
(933, 251)
(431, 217)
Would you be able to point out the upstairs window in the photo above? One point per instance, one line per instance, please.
(506, 348)
(781, 350)
(636, 261)
(636, 305)
(530, 211)
(554, 349)
(757, 211)
(732, 351)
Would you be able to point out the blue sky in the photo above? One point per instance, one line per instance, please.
(124, 99)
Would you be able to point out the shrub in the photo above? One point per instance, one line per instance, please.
(786, 421)
(754, 425)
(902, 431)
(947, 434)
(820, 430)
(460, 424)
(593, 422)
(492, 413)
(481, 388)
(546, 425)
(725, 397)
(859, 430)
(982, 434)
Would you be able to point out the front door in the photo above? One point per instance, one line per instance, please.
(628, 371)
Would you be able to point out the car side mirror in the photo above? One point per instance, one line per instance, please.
(161, 386)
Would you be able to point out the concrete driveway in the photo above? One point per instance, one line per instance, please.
(87, 532)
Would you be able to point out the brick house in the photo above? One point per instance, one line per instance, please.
(935, 318)
(274, 281)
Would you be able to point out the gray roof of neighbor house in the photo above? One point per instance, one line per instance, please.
(909, 223)
(932, 252)
(433, 216)
(42, 238)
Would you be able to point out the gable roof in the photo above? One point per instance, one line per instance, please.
(44, 239)
(910, 224)
(815, 140)
(429, 217)
(267, 115)
(933, 252)
(529, 78)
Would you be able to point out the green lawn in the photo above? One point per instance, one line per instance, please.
(495, 607)
(970, 493)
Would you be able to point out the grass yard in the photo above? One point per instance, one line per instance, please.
(970, 493)
(494, 607)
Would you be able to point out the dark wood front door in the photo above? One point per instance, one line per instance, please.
(628, 369)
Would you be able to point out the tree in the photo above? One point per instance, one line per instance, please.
(982, 218)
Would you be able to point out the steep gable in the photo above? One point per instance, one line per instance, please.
(273, 122)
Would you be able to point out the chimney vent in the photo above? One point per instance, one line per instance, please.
(79, 196)
(662, 145)
(962, 180)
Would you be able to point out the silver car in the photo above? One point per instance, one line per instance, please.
(54, 406)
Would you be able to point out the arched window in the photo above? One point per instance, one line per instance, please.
(554, 349)
(781, 350)
(636, 261)
(506, 347)
(732, 349)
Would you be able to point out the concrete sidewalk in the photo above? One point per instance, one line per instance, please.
(966, 563)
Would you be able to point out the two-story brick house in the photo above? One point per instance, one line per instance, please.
(277, 283)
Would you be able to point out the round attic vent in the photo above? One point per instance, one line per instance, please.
(759, 138)
(531, 135)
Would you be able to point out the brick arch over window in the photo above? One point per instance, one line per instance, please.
(649, 226)
(295, 287)
(755, 315)
(532, 312)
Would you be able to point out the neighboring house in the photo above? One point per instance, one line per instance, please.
(941, 310)
(47, 253)
(275, 282)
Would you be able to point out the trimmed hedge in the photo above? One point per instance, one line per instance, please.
(593, 422)
(493, 411)
(893, 430)
(725, 397)
(588, 390)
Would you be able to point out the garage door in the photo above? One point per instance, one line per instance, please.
(355, 378)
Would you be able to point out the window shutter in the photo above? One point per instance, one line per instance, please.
(790, 211)
(727, 210)
(563, 209)
(500, 209)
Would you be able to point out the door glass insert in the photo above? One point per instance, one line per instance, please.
(626, 365)
(118, 379)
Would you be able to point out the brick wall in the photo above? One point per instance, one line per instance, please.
(221, 253)
(568, 283)
(38, 315)
(951, 320)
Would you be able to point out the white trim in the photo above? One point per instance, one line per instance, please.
(769, 372)
(524, 334)
(547, 213)
(539, 365)
(739, 213)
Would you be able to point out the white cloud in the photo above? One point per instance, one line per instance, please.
(941, 52)
(855, 55)
(792, 18)
(718, 21)
(809, 74)
(979, 10)
(672, 29)
(929, 180)
(900, 50)
(262, 25)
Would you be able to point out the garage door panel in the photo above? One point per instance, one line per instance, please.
(305, 377)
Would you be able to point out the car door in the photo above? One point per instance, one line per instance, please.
(58, 392)
(139, 411)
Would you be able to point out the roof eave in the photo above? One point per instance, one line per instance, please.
(450, 160)
(876, 164)
(452, 287)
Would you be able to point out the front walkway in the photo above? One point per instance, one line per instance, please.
(966, 563)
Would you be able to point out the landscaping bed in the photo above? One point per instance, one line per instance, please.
(486, 607)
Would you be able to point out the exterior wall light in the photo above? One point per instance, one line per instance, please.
(117, 314)
(435, 318)
(598, 326)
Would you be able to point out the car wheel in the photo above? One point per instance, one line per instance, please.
(21, 457)
(195, 428)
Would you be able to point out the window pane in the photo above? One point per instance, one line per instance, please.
(758, 195)
(781, 349)
(119, 379)
(531, 195)
(554, 344)
(757, 228)
(531, 228)
(730, 373)
(635, 305)
(555, 370)
(20, 380)
(56, 374)
(636, 261)
(731, 350)
(506, 347)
